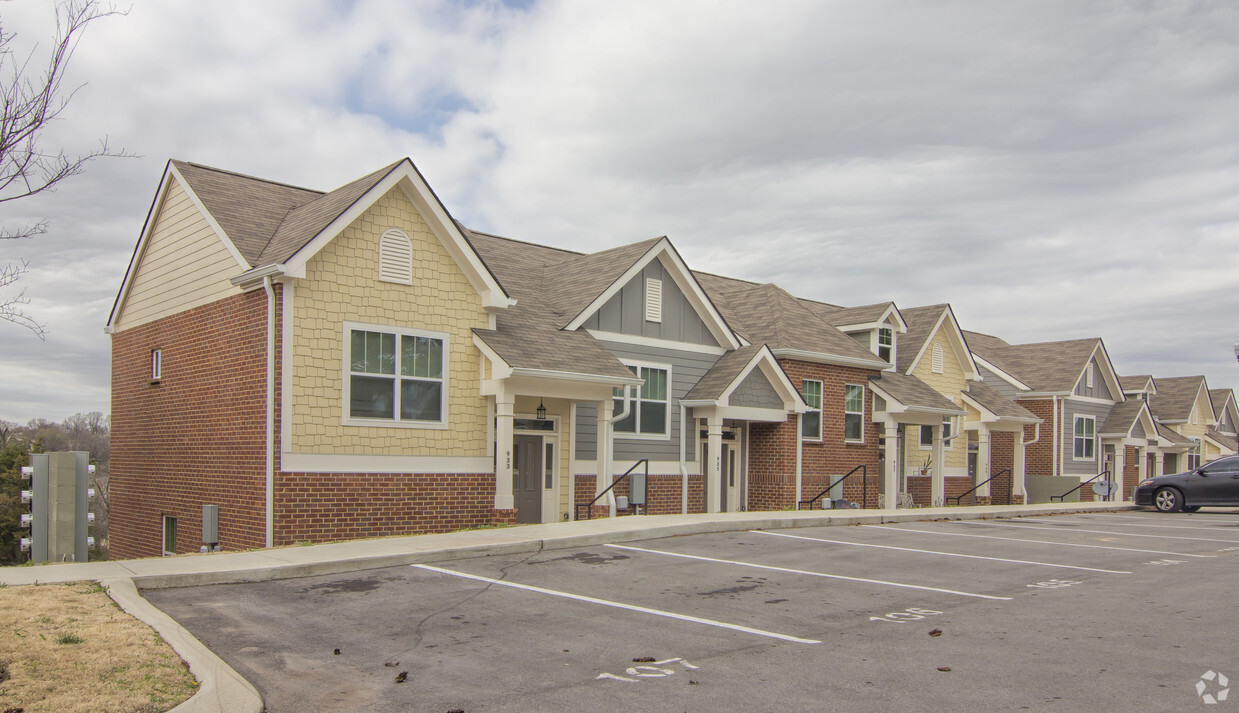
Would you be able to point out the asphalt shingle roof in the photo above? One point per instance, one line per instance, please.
(1175, 397)
(996, 403)
(575, 281)
(715, 381)
(1172, 436)
(912, 392)
(921, 322)
(1123, 416)
(1043, 366)
(1219, 397)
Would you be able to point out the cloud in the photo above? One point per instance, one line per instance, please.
(1054, 170)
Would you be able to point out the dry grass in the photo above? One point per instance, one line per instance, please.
(68, 647)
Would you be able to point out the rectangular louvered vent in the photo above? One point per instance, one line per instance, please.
(653, 300)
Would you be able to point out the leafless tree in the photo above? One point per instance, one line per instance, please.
(33, 95)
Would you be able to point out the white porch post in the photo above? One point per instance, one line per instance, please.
(605, 446)
(1159, 463)
(1017, 471)
(937, 484)
(890, 477)
(714, 469)
(503, 452)
(1120, 463)
(983, 456)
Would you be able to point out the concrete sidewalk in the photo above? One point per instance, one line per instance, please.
(222, 689)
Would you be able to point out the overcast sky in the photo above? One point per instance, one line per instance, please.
(1054, 170)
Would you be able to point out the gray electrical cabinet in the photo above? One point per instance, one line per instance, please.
(59, 500)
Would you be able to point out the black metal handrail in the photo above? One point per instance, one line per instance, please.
(959, 498)
(589, 512)
(1081, 485)
(864, 480)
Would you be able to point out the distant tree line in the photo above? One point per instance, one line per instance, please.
(88, 432)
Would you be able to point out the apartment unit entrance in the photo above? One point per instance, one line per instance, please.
(734, 473)
(535, 445)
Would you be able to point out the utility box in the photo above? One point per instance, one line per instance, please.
(59, 501)
(210, 527)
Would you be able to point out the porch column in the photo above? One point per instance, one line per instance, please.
(1017, 471)
(937, 481)
(1120, 463)
(606, 446)
(714, 469)
(503, 453)
(983, 454)
(890, 476)
(1159, 463)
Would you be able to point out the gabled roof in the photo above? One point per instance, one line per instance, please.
(1124, 416)
(767, 314)
(1177, 395)
(1046, 367)
(1169, 434)
(912, 394)
(864, 316)
(718, 384)
(985, 397)
(923, 323)
(1138, 384)
(1222, 399)
(1223, 440)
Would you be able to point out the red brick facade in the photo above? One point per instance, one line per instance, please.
(1039, 457)
(1131, 472)
(662, 494)
(772, 446)
(195, 437)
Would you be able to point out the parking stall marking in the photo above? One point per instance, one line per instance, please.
(944, 554)
(1034, 542)
(812, 574)
(618, 605)
(1096, 532)
(1227, 528)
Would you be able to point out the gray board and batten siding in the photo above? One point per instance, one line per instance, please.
(997, 383)
(624, 313)
(687, 368)
(1099, 390)
(1073, 408)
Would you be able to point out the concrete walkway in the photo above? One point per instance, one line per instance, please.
(222, 689)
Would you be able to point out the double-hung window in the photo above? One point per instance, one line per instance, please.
(811, 421)
(1085, 438)
(1193, 456)
(853, 412)
(886, 343)
(649, 414)
(395, 376)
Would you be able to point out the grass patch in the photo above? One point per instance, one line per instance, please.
(70, 648)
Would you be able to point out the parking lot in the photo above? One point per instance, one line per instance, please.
(1088, 612)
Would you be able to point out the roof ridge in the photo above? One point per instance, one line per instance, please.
(522, 242)
(249, 177)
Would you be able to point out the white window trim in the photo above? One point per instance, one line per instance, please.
(163, 535)
(156, 365)
(821, 395)
(878, 341)
(846, 413)
(636, 401)
(346, 371)
(946, 445)
(1074, 438)
(1197, 452)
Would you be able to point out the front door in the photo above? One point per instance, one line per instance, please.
(731, 490)
(527, 478)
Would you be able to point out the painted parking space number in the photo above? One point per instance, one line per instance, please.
(1165, 562)
(1054, 584)
(911, 614)
(654, 669)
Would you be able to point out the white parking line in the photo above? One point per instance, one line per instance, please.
(935, 552)
(811, 574)
(619, 605)
(1044, 528)
(1228, 528)
(1034, 542)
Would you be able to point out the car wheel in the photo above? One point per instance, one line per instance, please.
(1190, 508)
(1168, 500)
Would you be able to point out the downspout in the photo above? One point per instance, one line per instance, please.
(270, 467)
(683, 463)
(1055, 441)
(610, 464)
(1036, 436)
(799, 459)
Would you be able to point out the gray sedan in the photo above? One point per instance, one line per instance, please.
(1214, 483)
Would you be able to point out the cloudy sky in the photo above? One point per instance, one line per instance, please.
(1052, 169)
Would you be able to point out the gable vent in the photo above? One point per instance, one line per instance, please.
(653, 300)
(395, 258)
(937, 358)
(1088, 376)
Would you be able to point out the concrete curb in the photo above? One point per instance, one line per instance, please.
(220, 687)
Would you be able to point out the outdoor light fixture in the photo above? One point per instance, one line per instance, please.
(541, 411)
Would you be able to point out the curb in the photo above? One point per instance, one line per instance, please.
(220, 687)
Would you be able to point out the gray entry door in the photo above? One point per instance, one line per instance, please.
(527, 478)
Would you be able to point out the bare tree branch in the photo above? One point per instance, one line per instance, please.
(29, 101)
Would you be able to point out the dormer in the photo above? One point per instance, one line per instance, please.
(879, 332)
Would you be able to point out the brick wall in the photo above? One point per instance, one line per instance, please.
(662, 494)
(921, 489)
(320, 507)
(772, 446)
(1131, 472)
(1002, 457)
(1039, 457)
(197, 436)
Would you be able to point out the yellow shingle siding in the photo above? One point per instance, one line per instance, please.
(183, 265)
(341, 285)
(950, 383)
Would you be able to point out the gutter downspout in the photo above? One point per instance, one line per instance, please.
(611, 444)
(799, 459)
(1036, 436)
(1055, 441)
(270, 467)
(683, 463)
